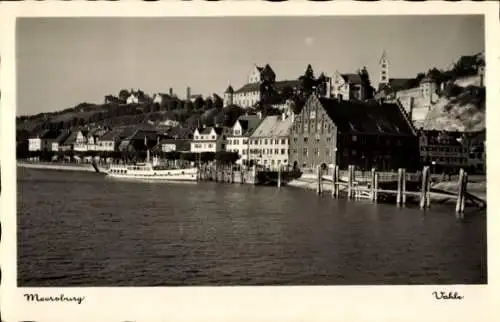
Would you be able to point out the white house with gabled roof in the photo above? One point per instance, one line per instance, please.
(209, 139)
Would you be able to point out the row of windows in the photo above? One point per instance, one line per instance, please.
(306, 139)
(443, 149)
(122, 171)
(316, 151)
(268, 141)
(268, 151)
(202, 146)
(237, 141)
(273, 162)
(206, 137)
(448, 160)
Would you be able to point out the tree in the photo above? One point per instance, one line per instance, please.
(123, 95)
(172, 104)
(198, 103)
(189, 106)
(209, 104)
(307, 83)
(218, 101)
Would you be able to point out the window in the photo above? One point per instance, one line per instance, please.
(327, 152)
(283, 141)
(294, 140)
(305, 140)
(294, 151)
(245, 141)
(265, 141)
(276, 151)
(213, 137)
(354, 138)
(316, 151)
(353, 152)
(328, 139)
(305, 152)
(276, 141)
(282, 151)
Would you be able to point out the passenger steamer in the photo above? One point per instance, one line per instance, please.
(152, 171)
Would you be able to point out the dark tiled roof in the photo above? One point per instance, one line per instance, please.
(207, 130)
(110, 136)
(352, 78)
(71, 138)
(399, 83)
(62, 137)
(360, 117)
(39, 134)
(249, 123)
(180, 144)
(252, 87)
(51, 135)
(280, 85)
(141, 134)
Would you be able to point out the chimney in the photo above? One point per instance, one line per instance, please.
(188, 92)
(171, 92)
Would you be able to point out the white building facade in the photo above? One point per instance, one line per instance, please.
(210, 139)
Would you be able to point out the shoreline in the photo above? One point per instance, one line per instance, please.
(56, 166)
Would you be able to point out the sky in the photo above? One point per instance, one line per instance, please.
(62, 62)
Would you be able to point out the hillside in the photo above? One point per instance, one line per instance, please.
(463, 110)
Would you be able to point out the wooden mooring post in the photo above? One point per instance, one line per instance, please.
(350, 179)
(319, 179)
(374, 185)
(401, 193)
(279, 177)
(424, 194)
(462, 191)
(335, 181)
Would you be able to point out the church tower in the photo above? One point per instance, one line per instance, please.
(228, 96)
(384, 69)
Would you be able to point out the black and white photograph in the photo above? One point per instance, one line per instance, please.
(260, 150)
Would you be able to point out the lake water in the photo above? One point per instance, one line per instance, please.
(81, 229)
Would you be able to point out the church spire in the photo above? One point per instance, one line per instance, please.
(384, 68)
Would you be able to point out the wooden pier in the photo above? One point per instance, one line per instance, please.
(399, 186)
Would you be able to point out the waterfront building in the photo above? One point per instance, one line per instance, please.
(444, 151)
(237, 140)
(364, 134)
(42, 141)
(172, 145)
(68, 144)
(56, 144)
(109, 141)
(139, 140)
(36, 142)
(476, 142)
(209, 139)
(269, 143)
(81, 140)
